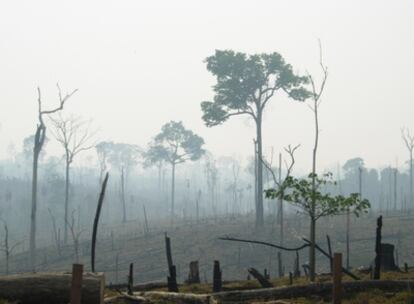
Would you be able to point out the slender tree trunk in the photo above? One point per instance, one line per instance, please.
(36, 152)
(6, 247)
(312, 261)
(255, 173)
(281, 219)
(395, 188)
(411, 178)
(172, 191)
(65, 237)
(124, 218)
(348, 226)
(259, 207)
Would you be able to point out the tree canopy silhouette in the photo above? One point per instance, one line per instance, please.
(245, 85)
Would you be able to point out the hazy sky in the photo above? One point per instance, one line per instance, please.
(139, 64)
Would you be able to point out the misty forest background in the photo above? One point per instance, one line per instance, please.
(195, 197)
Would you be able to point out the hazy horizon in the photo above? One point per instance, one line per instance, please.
(138, 65)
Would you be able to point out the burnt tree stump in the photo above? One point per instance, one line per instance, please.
(194, 274)
(263, 281)
(217, 280)
(387, 258)
(377, 264)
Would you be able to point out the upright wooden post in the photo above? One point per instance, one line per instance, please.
(96, 221)
(328, 239)
(377, 268)
(116, 268)
(279, 264)
(131, 279)
(296, 272)
(194, 274)
(172, 280)
(76, 289)
(168, 251)
(217, 283)
(337, 278)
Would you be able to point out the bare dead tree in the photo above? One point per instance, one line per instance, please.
(5, 247)
(289, 165)
(56, 235)
(75, 236)
(409, 143)
(278, 182)
(75, 136)
(39, 140)
(316, 93)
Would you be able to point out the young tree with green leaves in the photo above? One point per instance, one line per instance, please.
(309, 196)
(245, 85)
(174, 144)
(315, 101)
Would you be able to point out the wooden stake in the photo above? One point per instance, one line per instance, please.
(131, 279)
(217, 283)
(96, 221)
(76, 289)
(328, 239)
(377, 268)
(337, 278)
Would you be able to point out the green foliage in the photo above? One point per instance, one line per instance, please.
(246, 82)
(174, 144)
(300, 193)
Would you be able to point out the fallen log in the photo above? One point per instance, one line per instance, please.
(126, 299)
(317, 289)
(37, 288)
(173, 297)
(140, 287)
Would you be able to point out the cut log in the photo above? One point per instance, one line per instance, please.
(35, 288)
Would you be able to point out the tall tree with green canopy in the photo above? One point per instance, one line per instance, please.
(175, 144)
(245, 85)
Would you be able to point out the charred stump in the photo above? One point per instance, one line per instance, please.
(194, 274)
(217, 279)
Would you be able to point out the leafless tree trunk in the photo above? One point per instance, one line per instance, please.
(278, 183)
(75, 136)
(55, 232)
(172, 191)
(39, 140)
(255, 175)
(409, 143)
(259, 211)
(96, 221)
(124, 218)
(75, 236)
(316, 95)
(6, 247)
